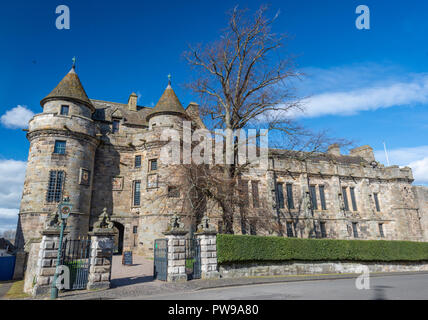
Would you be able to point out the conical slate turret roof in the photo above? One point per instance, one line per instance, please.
(70, 88)
(168, 103)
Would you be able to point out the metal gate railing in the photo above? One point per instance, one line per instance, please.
(76, 256)
(193, 259)
(160, 267)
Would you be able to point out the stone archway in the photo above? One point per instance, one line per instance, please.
(119, 231)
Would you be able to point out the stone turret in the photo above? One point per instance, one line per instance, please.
(168, 111)
(60, 161)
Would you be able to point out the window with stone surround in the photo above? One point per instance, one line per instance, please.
(255, 193)
(153, 164)
(60, 146)
(376, 200)
(290, 232)
(137, 162)
(253, 227)
(64, 110)
(55, 186)
(323, 230)
(322, 197)
(220, 226)
(355, 229)
(173, 192)
(353, 200)
(137, 193)
(280, 194)
(313, 197)
(243, 193)
(290, 201)
(115, 126)
(345, 198)
(381, 233)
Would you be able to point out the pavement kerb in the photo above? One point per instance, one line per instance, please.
(199, 285)
(235, 282)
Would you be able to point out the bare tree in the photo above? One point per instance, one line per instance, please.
(9, 235)
(243, 82)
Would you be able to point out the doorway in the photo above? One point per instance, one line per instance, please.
(119, 230)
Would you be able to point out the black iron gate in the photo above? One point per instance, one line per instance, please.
(76, 256)
(193, 259)
(160, 271)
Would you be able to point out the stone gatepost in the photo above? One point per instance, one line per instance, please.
(207, 235)
(176, 236)
(46, 262)
(102, 244)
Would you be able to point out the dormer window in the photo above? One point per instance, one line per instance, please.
(64, 110)
(115, 126)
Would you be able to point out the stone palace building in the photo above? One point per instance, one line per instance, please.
(106, 155)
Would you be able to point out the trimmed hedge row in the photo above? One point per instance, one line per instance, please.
(237, 248)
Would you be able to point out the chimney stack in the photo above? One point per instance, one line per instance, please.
(132, 102)
(334, 149)
(365, 152)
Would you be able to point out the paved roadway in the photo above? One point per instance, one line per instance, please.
(396, 287)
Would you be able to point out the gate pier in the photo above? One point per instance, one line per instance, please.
(100, 259)
(176, 271)
(207, 235)
(46, 263)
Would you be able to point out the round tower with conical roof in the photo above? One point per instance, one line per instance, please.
(60, 164)
(168, 111)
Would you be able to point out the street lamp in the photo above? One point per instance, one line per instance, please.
(64, 209)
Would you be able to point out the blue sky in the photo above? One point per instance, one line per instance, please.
(368, 86)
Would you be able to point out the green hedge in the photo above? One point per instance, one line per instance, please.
(237, 248)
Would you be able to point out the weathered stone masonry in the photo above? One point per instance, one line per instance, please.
(102, 140)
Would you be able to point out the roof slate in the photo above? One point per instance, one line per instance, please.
(70, 87)
(168, 102)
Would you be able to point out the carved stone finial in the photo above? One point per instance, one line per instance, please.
(175, 222)
(175, 226)
(53, 222)
(205, 226)
(104, 221)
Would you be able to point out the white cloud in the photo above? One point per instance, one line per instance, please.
(12, 175)
(139, 95)
(8, 213)
(420, 170)
(350, 103)
(351, 89)
(415, 158)
(17, 118)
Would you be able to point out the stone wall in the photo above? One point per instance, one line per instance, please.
(30, 278)
(100, 260)
(109, 157)
(421, 194)
(306, 268)
(79, 133)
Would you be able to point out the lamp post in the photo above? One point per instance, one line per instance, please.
(64, 209)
